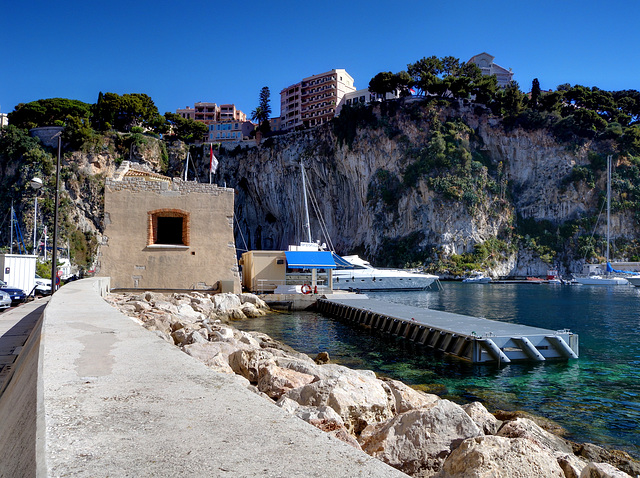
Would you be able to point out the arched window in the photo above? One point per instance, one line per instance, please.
(168, 227)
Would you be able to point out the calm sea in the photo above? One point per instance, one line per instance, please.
(596, 398)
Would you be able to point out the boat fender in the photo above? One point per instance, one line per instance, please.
(306, 289)
(315, 289)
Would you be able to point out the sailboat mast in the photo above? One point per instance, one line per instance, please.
(11, 243)
(307, 224)
(608, 202)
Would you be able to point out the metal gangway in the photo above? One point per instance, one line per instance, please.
(475, 339)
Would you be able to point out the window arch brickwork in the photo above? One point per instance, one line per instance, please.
(156, 233)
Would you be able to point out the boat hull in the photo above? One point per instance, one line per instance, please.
(634, 281)
(364, 283)
(602, 280)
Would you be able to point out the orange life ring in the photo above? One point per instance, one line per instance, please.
(306, 289)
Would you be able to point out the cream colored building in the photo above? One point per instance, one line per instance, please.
(167, 234)
(484, 61)
(362, 97)
(225, 122)
(314, 100)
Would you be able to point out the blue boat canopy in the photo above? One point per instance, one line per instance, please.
(611, 269)
(310, 259)
(341, 263)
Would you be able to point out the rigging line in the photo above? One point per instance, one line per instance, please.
(323, 226)
(240, 231)
(594, 228)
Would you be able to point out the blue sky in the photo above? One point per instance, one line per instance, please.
(181, 52)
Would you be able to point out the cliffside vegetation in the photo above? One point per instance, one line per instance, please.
(433, 178)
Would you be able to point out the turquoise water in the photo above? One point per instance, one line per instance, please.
(596, 398)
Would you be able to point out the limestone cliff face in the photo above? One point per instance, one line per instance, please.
(532, 166)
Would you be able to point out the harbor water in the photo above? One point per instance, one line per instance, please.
(595, 398)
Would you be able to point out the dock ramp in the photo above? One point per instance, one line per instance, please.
(475, 339)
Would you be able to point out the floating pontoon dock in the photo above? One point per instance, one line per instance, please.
(475, 339)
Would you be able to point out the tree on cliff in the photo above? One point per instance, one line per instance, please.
(535, 92)
(124, 112)
(263, 110)
(48, 112)
(187, 130)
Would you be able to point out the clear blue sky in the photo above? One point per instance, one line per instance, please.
(181, 52)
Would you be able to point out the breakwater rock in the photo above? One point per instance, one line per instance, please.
(415, 432)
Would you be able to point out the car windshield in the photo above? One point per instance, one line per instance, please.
(2, 283)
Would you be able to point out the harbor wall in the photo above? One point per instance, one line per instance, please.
(98, 395)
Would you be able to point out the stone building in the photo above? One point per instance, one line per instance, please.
(167, 234)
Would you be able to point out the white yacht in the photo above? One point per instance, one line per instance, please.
(634, 281)
(477, 278)
(606, 278)
(364, 277)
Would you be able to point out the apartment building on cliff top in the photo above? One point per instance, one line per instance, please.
(225, 122)
(313, 101)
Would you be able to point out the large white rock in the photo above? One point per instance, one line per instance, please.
(251, 310)
(481, 417)
(602, 470)
(186, 313)
(276, 381)
(357, 396)
(226, 301)
(248, 363)
(406, 398)
(253, 299)
(500, 457)
(165, 305)
(419, 440)
(212, 354)
(525, 428)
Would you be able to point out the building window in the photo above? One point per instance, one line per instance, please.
(168, 227)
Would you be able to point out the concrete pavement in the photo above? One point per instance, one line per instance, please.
(118, 401)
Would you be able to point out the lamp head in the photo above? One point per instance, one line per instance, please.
(36, 183)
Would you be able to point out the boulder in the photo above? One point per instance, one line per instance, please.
(164, 305)
(620, 459)
(222, 334)
(226, 301)
(525, 428)
(481, 417)
(251, 311)
(202, 305)
(276, 381)
(186, 313)
(248, 363)
(602, 470)
(357, 396)
(140, 305)
(253, 299)
(406, 398)
(500, 457)
(418, 441)
(248, 339)
(198, 336)
(181, 336)
(322, 358)
(212, 354)
(571, 465)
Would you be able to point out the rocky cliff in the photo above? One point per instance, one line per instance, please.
(369, 205)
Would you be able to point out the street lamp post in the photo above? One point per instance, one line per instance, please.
(54, 254)
(36, 184)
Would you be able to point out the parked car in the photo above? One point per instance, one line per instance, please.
(5, 300)
(17, 295)
(43, 286)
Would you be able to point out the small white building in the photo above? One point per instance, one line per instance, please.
(363, 97)
(484, 61)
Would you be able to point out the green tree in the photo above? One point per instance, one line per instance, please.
(383, 83)
(48, 112)
(126, 111)
(535, 92)
(187, 130)
(263, 111)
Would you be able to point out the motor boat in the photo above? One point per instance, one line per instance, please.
(477, 278)
(361, 275)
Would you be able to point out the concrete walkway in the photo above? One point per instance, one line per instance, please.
(118, 401)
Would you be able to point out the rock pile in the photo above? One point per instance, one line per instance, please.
(415, 432)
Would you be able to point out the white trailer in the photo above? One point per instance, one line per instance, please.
(19, 270)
